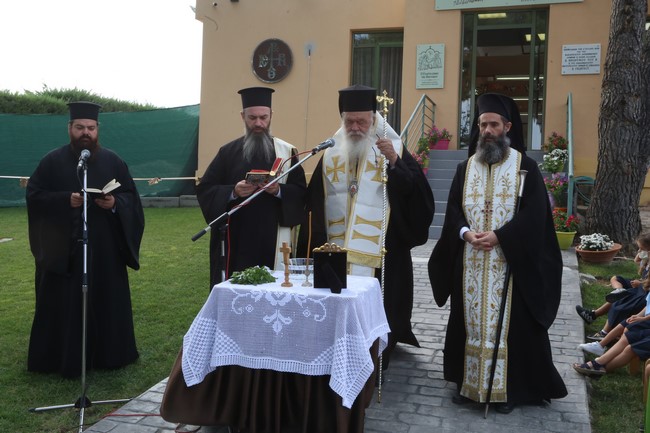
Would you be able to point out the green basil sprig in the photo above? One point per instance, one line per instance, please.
(253, 275)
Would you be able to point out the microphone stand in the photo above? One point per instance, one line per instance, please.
(83, 401)
(250, 198)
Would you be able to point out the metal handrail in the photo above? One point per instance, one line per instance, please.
(422, 120)
(569, 137)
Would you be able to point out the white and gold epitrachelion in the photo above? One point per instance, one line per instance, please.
(489, 201)
(354, 199)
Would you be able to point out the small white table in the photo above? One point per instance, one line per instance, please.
(290, 329)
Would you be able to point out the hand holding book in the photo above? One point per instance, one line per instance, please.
(101, 193)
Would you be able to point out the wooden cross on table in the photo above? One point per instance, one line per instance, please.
(286, 249)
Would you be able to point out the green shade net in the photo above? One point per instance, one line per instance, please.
(155, 144)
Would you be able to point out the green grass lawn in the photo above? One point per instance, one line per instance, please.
(616, 400)
(167, 292)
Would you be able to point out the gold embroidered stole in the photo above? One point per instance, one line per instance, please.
(282, 150)
(354, 221)
(489, 200)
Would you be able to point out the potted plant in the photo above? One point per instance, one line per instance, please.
(554, 161)
(597, 248)
(437, 138)
(566, 227)
(422, 158)
(557, 185)
(555, 141)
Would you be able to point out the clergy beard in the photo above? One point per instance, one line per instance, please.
(84, 142)
(258, 145)
(355, 144)
(493, 151)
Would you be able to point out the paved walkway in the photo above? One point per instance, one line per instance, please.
(415, 398)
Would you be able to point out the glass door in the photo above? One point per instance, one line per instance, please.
(505, 52)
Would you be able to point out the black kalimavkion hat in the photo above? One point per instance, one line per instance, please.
(84, 110)
(256, 97)
(357, 98)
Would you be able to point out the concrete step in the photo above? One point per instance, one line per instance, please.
(434, 232)
(443, 184)
(438, 173)
(442, 168)
(443, 164)
(440, 194)
(438, 219)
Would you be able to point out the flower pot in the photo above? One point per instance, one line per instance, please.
(602, 257)
(441, 144)
(565, 239)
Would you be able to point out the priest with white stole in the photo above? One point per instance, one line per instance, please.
(485, 234)
(345, 198)
(257, 230)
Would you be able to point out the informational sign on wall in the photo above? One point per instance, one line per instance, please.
(476, 4)
(580, 59)
(430, 68)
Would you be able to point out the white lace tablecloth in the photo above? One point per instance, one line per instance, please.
(290, 329)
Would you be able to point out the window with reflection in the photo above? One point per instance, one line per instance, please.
(377, 62)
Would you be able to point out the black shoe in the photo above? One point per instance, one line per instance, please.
(587, 315)
(617, 295)
(505, 408)
(460, 399)
(597, 336)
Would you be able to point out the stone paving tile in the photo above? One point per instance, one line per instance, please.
(415, 398)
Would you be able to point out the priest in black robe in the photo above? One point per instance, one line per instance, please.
(254, 232)
(483, 232)
(115, 224)
(345, 199)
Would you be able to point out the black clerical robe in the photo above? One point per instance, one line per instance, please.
(252, 229)
(55, 233)
(411, 212)
(530, 247)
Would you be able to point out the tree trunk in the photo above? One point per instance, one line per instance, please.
(622, 166)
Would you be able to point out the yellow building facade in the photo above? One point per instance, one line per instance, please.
(538, 51)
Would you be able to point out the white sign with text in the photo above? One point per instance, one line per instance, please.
(580, 59)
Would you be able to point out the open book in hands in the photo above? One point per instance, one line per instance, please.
(101, 193)
(260, 177)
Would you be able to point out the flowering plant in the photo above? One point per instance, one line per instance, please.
(422, 158)
(595, 242)
(557, 185)
(555, 141)
(564, 222)
(554, 160)
(439, 134)
(434, 135)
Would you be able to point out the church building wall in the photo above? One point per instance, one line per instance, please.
(305, 103)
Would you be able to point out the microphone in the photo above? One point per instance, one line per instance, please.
(324, 145)
(85, 154)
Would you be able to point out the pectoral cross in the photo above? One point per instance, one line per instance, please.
(285, 250)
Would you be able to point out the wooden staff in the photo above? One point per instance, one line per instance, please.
(384, 100)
